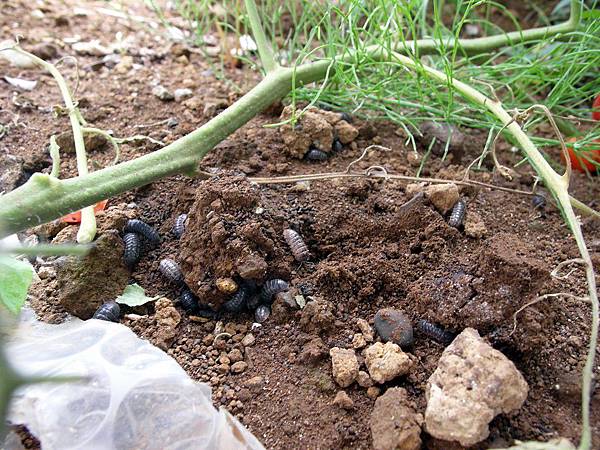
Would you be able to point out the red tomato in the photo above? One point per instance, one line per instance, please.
(76, 216)
(596, 106)
(578, 162)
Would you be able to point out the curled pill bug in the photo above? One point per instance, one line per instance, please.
(140, 227)
(109, 311)
(272, 287)
(336, 145)
(434, 332)
(345, 116)
(538, 201)
(297, 245)
(133, 249)
(262, 313)
(458, 214)
(188, 301)
(179, 227)
(315, 154)
(237, 302)
(170, 270)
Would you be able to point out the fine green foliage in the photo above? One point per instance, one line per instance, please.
(15, 279)
(134, 295)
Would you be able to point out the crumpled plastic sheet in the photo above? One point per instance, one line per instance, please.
(135, 396)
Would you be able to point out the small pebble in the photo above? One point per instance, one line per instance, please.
(395, 326)
(262, 313)
(182, 94)
(162, 93)
(343, 400)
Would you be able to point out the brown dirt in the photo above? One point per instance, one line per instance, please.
(367, 251)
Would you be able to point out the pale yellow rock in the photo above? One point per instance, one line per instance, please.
(344, 366)
(386, 361)
(442, 196)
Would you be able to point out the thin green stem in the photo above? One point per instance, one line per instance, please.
(265, 50)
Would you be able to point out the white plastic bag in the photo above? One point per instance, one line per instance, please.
(135, 396)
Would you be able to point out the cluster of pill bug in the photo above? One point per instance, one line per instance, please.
(315, 154)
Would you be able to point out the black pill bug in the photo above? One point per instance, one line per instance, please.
(133, 249)
(434, 332)
(297, 245)
(337, 145)
(140, 227)
(179, 227)
(458, 214)
(314, 154)
(238, 301)
(171, 271)
(109, 311)
(272, 287)
(345, 116)
(253, 301)
(538, 201)
(262, 313)
(188, 301)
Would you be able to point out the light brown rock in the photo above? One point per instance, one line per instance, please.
(364, 380)
(442, 196)
(471, 385)
(239, 367)
(395, 425)
(248, 340)
(343, 400)
(373, 392)
(365, 329)
(346, 133)
(475, 226)
(358, 341)
(311, 129)
(344, 366)
(387, 361)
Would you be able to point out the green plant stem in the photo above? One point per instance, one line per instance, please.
(265, 50)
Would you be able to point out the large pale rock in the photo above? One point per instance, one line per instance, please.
(471, 385)
(442, 196)
(386, 361)
(395, 425)
(344, 365)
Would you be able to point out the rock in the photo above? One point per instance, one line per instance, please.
(252, 267)
(124, 65)
(239, 367)
(344, 366)
(255, 384)
(317, 316)
(114, 217)
(443, 132)
(343, 400)
(235, 355)
(11, 170)
(162, 93)
(226, 285)
(66, 235)
(471, 385)
(364, 380)
(248, 340)
(365, 329)
(313, 352)
(167, 318)
(281, 312)
(346, 133)
(193, 103)
(442, 196)
(386, 361)
(46, 272)
(395, 326)
(44, 50)
(93, 142)
(395, 425)
(182, 94)
(475, 226)
(358, 341)
(373, 392)
(83, 284)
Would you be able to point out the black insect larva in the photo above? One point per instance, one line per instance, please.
(109, 311)
(179, 226)
(458, 214)
(137, 226)
(237, 302)
(538, 201)
(188, 301)
(337, 145)
(345, 116)
(171, 271)
(133, 249)
(434, 332)
(297, 245)
(272, 287)
(262, 313)
(315, 154)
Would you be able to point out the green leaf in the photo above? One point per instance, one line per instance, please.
(134, 295)
(15, 278)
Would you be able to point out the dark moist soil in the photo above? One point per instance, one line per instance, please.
(367, 251)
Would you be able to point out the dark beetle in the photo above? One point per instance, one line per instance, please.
(458, 214)
(337, 145)
(188, 301)
(538, 201)
(109, 311)
(434, 332)
(315, 154)
(133, 249)
(179, 226)
(237, 302)
(137, 226)
(171, 271)
(272, 287)
(297, 245)
(262, 313)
